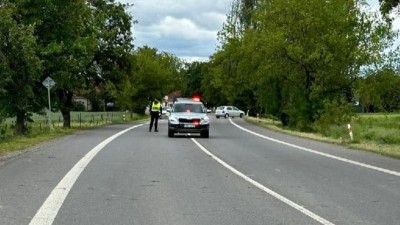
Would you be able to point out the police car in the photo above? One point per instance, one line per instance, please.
(188, 116)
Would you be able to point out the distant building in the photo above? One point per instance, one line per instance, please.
(84, 101)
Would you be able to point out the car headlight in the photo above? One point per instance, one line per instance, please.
(205, 120)
(173, 120)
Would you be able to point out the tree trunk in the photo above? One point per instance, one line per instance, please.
(66, 98)
(284, 119)
(66, 118)
(310, 111)
(20, 128)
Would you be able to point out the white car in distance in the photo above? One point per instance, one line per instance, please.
(228, 111)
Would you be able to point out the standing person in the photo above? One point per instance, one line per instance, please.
(155, 112)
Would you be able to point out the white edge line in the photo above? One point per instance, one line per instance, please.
(320, 153)
(265, 189)
(49, 210)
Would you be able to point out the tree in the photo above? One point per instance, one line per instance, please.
(84, 44)
(296, 60)
(193, 76)
(379, 91)
(113, 59)
(153, 75)
(20, 68)
(386, 6)
(238, 20)
(211, 91)
(323, 46)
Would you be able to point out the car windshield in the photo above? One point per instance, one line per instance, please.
(195, 108)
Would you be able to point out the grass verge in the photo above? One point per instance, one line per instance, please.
(372, 133)
(40, 132)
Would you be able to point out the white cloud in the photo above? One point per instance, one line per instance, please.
(185, 28)
(194, 59)
(180, 28)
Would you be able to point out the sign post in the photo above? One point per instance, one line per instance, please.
(49, 83)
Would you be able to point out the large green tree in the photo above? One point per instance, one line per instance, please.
(193, 76)
(154, 74)
(210, 89)
(386, 6)
(20, 68)
(113, 57)
(83, 43)
(297, 59)
(379, 91)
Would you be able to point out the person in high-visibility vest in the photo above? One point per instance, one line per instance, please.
(155, 112)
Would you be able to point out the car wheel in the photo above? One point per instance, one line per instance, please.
(205, 134)
(241, 115)
(170, 133)
(226, 115)
(217, 117)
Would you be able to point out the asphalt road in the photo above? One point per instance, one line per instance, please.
(242, 174)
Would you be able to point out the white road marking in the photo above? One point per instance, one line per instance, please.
(265, 189)
(321, 153)
(48, 211)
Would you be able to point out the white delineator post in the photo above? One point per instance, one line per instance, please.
(350, 131)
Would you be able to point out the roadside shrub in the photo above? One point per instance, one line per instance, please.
(336, 131)
(78, 106)
(2, 132)
(369, 135)
(334, 114)
(381, 135)
(390, 139)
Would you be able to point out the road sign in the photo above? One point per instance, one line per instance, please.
(48, 82)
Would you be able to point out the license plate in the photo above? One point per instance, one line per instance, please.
(189, 125)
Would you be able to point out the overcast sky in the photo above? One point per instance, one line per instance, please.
(185, 28)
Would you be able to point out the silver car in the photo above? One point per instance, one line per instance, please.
(187, 116)
(228, 111)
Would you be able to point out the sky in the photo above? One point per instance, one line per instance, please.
(185, 28)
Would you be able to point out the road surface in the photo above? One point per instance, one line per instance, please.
(242, 174)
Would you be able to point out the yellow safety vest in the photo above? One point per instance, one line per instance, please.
(155, 107)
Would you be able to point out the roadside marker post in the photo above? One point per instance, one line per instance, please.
(350, 131)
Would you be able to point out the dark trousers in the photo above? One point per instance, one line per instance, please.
(154, 120)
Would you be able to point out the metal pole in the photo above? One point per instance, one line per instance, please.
(48, 95)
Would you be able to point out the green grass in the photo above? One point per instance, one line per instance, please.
(39, 130)
(378, 133)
